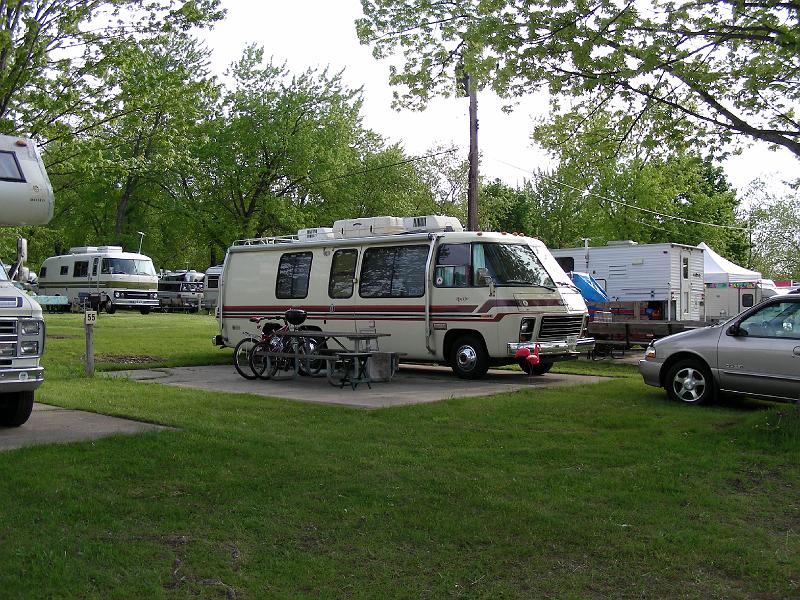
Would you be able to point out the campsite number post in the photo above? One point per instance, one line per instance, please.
(89, 319)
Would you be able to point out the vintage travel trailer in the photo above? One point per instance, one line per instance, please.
(444, 295)
(26, 198)
(181, 290)
(113, 278)
(643, 281)
(211, 288)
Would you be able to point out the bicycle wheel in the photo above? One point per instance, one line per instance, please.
(241, 357)
(260, 362)
(310, 366)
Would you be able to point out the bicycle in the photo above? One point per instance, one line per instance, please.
(279, 352)
(242, 350)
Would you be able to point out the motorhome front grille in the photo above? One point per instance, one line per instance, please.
(560, 327)
(8, 327)
(139, 295)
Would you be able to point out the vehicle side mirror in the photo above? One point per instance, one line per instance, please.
(483, 276)
(736, 331)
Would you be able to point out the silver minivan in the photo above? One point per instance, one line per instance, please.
(756, 353)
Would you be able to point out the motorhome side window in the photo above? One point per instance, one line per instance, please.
(294, 271)
(343, 271)
(393, 272)
(9, 168)
(453, 266)
(43, 272)
(81, 268)
(64, 269)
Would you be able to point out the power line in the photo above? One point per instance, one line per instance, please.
(620, 202)
(378, 168)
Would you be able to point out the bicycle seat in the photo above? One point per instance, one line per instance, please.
(295, 316)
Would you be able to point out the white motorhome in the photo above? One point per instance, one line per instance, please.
(181, 290)
(467, 299)
(211, 288)
(26, 198)
(643, 281)
(115, 278)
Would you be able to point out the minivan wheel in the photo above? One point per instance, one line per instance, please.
(469, 359)
(690, 381)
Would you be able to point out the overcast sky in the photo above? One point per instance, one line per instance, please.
(320, 33)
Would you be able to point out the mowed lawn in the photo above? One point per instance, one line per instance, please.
(595, 491)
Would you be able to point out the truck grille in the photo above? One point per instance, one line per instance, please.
(8, 327)
(560, 327)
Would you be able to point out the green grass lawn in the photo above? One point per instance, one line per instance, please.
(593, 491)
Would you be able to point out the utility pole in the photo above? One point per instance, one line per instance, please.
(472, 188)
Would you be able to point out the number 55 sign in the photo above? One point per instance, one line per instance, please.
(90, 317)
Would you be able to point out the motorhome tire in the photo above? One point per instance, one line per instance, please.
(540, 369)
(689, 381)
(241, 358)
(15, 408)
(469, 359)
(110, 308)
(145, 310)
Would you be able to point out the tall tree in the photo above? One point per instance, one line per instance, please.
(775, 219)
(721, 70)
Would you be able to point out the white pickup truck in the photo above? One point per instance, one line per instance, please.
(26, 198)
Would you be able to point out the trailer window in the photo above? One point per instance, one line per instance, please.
(294, 271)
(453, 266)
(393, 272)
(42, 272)
(510, 264)
(9, 167)
(81, 269)
(343, 271)
(64, 269)
(566, 262)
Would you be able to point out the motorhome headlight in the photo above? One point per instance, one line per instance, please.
(117, 294)
(154, 295)
(526, 327)
(30, 327)
(29, 348)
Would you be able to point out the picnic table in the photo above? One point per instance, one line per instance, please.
(346, 364)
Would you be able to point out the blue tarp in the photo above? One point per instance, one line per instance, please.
(590, 289)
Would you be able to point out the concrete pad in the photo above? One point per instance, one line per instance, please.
(412, 385)
(53, 424)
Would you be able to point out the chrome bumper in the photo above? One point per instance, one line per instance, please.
(21, 379)
(558, 348)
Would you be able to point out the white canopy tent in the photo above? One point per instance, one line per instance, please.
(720, 270)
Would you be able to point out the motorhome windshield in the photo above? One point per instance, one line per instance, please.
(3, 273)
(510, 264)
(128, 266)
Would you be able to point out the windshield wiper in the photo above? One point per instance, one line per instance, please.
(531, 283)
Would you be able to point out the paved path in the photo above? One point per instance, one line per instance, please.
(51, 424)
(411, 385)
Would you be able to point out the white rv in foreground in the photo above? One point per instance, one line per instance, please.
(117, 279)
(26, 198)
(444, 295)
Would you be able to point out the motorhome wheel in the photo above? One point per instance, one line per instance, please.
(469, 359)
(15, 408)
(110, 308)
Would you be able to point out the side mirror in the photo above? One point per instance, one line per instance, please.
(736, 331)
(482, 274)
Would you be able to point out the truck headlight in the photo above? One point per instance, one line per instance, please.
(29, 327)
(29, 348)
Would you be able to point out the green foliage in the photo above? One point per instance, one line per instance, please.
(776, 231)
(701, 71)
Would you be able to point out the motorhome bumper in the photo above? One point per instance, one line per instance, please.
(554, 348)
(21, 379)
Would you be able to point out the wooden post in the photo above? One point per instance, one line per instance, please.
(90, 316)
(472, 189)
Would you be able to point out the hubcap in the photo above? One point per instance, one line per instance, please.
(466, 358)
(689, 384)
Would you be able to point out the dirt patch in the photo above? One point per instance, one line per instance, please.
(126, 359)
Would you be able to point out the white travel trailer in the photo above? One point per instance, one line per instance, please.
(181, 290)
(116, 279)
(467, 299)
(211, 288)
(26, 198)
(643, 281)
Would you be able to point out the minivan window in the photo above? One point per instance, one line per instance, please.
(343, 271)
(294, 271)
(393, 272)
